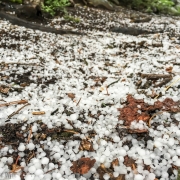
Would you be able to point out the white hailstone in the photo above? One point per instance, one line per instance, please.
(138, 177)
(122, 152)
(121, 159)
(56, 155)
(102, 159)
(106, 176)
(1, 164)
(147, 161)
(115, 174)
(34, 128)
(21, 147)
(4, 159)
(175, 158)
(158, 144)
(107, 152)
(29, 177)
(73, 117)
(141, 152)
(51, 165)
(44, 160)
(167, 156)
(151, 176)
(93, 170)
(95, 146)
(103, 142)
(47, 177)
(16, 177)
(4, 149)
(165, 175)
(178, 133)
(10, 160)
(178, 151)
(39, 172)
(30, 146)
(171, 141)
(177, 162)
(1, 170)
(116, 138)
(32, 169)
(122, 170)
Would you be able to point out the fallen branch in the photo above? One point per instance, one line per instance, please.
(14, 102)
(11, 115)
(156, 76)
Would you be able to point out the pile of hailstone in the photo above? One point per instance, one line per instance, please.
(43, 68)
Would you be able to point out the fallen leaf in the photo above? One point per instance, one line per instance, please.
(137, 109)
(83, 165)
(169, 69)
(86, 145)
(15, 168)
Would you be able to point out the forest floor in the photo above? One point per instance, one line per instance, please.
(102, 105)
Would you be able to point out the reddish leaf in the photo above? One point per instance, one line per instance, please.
(83, 165)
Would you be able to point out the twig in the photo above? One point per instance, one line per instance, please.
(30, 157)
(11, 115)
(14, 102)
(38, 113)
(168, 87)
(17, 160)
(153, 117)
(164, 82)
(29, 137)
(156, 76)
(113, 82)
(50, 170)
(78, 102)
(70, 131)
(107, 90)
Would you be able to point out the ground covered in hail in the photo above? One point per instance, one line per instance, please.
(97, 106)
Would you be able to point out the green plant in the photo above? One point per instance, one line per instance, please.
(71, 18)
(150, 5)
(161, 5)
(17, 1)
(51, 6)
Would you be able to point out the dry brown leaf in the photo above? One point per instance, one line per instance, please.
(82, 165)
(130, 112)
(114, 163)
(169, 69)
(86, 145)
(15, 168)
(129, 162)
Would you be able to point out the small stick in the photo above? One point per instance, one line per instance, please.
(165, 81)
(70, 131)
(113, 82)
(14, 102)
(153, 117)
(38, 113)
(156, 76)
(50, 170)
(30, 133)
(30, 157)
(78, 102)
(107, 90)
(11, 115)
(17, 160)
